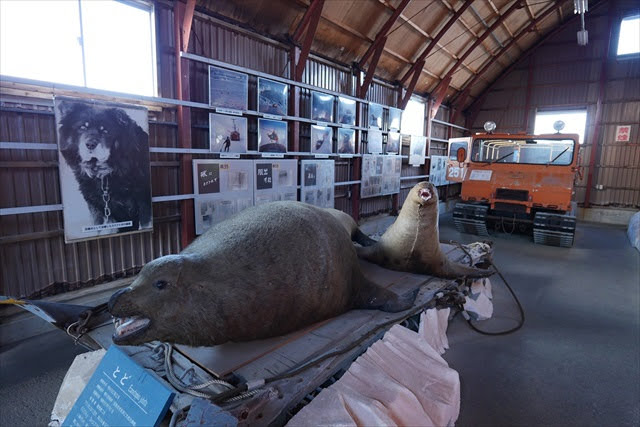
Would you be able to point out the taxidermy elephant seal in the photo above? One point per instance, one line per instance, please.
(267, 271)
(412, 243)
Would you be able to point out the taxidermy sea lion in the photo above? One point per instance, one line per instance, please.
(412, 243)
(267, 271)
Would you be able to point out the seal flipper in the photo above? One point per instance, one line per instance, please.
(455, 270)
(359, 237)
(374, 297)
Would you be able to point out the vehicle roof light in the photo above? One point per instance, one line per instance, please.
(489, 126)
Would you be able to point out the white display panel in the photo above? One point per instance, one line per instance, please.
(317, 183)
(222, 188)
(380, 175)
(275, 180)
(438, 170)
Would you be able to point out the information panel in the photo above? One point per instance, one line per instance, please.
(120, 393)
(275, 180)
(438, 170)
(223, 188)
(317, 184)
(380, 175)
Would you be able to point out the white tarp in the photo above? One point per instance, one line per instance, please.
(400, 380)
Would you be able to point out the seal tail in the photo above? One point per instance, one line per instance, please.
(455, 270)
(359, 237)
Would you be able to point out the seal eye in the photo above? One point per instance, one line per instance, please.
(160, 284)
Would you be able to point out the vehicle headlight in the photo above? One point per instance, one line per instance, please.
(558, 125)
(489, 126)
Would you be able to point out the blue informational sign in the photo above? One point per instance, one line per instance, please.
(120, 393)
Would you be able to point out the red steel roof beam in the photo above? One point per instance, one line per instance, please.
(434, 41)
(382, 34)
(516, 5)
(411, 87)
(186, 23)
(310, 21)
(372, 69)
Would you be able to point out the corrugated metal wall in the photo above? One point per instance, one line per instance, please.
(567, 76)
(36, 261)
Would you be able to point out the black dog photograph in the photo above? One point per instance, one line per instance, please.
(105, 176)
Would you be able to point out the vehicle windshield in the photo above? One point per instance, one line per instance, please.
(535, 151)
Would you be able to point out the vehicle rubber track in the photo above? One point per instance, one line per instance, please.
(471, 219)
(554, 229)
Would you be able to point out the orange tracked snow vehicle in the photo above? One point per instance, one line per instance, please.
(516, 182)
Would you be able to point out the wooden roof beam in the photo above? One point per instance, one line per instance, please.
(434, 41)
(516, 5)
(411, 87)
(384, 31)
(528, 28)
(474, 107)
(187, 20)
(376, 49)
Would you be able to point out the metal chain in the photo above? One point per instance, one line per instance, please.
(106, 197)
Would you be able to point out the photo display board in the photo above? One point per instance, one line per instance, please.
(395, 117)
(317, 183)
(272, 136)
(375, 115)
(322, 107)
(346, 141)
(374, 141)
(222, 188)
(417, 150)
(380, 175)
(346, 111)
(228, 89)
(275, 180)
(321, 139)
(438, 170)
(272, 97)
(227, 134)
(105, 173)
(393, 143)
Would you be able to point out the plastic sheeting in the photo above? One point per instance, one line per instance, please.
(400, 380)
(479, 302)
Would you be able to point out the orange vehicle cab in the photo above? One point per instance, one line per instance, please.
(516, 181)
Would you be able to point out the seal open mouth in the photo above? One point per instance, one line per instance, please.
(128, 327)
(425, 195)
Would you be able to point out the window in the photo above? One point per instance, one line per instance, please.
(107, 45)
(629, 38)
(555, 152)
(413, 118)
(574, 122)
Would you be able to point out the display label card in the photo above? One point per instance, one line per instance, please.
(228, 111)
(120, 393)
(346, 156)
(322, 124)
(272, 117)
(478, 175)
(273, 155)
(347, 126)
(208, 178)
(264, 176)
(321, 156)
(229, 155)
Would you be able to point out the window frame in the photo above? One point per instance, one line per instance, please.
(147, 6)
(551, 111)
(626, 56)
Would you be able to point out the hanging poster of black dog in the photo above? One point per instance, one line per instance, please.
(105, 176)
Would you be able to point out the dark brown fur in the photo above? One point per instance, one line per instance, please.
(412, 243)
(269, 270)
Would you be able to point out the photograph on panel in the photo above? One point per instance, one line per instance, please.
(375, 115)
(374, 142)
(417, 150)
(272, 136)
(395, 117)
(105, 176)
(272, 97)
(321, 140)
(321, 107)
(393, 143)
(346, 111)
(346, 141)
(228, 89)
(227, 134)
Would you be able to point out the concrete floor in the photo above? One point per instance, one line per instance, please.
(575, 362)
